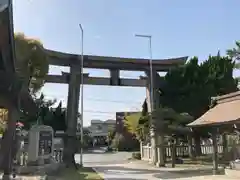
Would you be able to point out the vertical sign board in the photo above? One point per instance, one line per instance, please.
(45, 143)
(40, 143)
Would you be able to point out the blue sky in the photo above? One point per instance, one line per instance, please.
(179, 28)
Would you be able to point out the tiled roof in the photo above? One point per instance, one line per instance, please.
(226, 111)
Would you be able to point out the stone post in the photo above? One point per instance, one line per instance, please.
(141, 149)
(225, 148)
(73, 100)
(173, 152)
(215, 151)
(190, 146)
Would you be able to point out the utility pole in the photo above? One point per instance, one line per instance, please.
(152, 130)
(81, 128)
(149, 37)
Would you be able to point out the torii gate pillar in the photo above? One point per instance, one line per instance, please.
(72, 106)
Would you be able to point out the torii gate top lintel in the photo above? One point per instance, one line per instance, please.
(106, 62)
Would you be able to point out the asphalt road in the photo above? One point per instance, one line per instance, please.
(116, 166)
(100, 157)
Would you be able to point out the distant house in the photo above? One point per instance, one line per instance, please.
(99, 129)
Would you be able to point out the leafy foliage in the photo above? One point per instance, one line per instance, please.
(136, 155)
(122, 142)
(131, 122)
(3, 119)
(118, 142)
(32, 63)
(111, 135)
(170, 123)
(235, 53)
(54, 117)
(87, 139)
(190, 88)
(186, 95)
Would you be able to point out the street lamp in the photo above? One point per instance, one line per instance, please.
(81, 128)
(149, 37)
(151, 95)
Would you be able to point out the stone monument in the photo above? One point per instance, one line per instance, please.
(40, 146)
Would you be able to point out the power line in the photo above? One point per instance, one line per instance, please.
(106, 112)
(99, 100)
(135, 108)
(100, 112)
(114, 101)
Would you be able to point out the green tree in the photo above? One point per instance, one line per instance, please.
(87, 138)
(235, 54)
(42, 114)
(131, 122)
(170, 123)
(133, 126)
(111, 135)
(56, 118)
(31, 64)
(118, 142)
(127, 139)
(190, 88)
(3, 120)
(174, 123)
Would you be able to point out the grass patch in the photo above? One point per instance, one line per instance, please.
(84, 173)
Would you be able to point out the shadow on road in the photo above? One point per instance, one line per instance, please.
(130, 170)
(183, 174)
(97, 152)
(161, 174)
(125, 179)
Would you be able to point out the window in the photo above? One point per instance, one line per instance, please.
(99, 127)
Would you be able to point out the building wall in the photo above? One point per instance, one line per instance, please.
(101, 128)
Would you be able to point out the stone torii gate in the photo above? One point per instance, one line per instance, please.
(114, 65)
